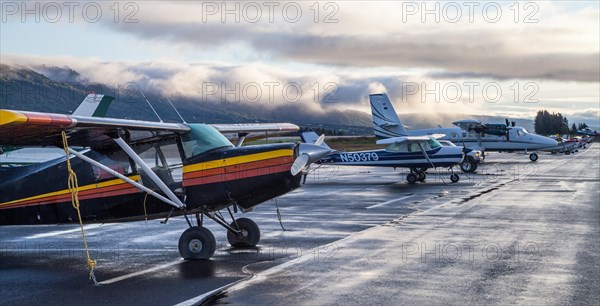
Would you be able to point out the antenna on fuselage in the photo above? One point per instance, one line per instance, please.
(150, 105)
(173, 106)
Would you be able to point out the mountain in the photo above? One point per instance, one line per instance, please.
(61, 89)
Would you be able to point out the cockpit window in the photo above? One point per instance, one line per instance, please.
(203, 138)
(433, 143)
(521, 132)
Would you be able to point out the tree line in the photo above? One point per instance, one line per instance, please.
(547, 123)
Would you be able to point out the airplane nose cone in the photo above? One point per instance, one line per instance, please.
(549, 142)
(307, 154)
(314, 152)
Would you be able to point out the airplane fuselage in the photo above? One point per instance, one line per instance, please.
(246, 176)
(517, 139)
(441, 157)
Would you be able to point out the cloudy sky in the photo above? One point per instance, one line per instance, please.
(504, 57)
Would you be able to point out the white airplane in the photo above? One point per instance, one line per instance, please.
(412, 152)
(470, 133)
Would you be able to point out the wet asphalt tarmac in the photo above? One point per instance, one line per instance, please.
(515, 232)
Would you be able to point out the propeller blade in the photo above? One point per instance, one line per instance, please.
(320, 140)
(299, 164)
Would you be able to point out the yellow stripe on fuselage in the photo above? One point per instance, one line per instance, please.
(237, 160)
(66, 191)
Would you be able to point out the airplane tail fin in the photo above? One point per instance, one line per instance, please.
(385, 120)
(312, 137)
(94, 105)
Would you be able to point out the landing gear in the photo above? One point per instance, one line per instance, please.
(421, 176)
(567, 152)
(248, 236)
(533, 157)
(468, 165)
(411, 178)
(454, 177)
(197, 243)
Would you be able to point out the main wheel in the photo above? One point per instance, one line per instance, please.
(411, 178)
(250, 233)
(421, 176)
(454, 177)
(567, 152)
(197, 243)
(533, 157)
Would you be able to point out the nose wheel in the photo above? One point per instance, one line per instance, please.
(454, 177)
(533, 157)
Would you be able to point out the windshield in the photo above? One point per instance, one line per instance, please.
(203, 138)
(433, 143)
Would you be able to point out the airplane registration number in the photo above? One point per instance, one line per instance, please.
(359, 157)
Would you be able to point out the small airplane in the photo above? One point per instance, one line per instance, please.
(566, 146)
(413, 152)
(588, 132)
(470, 133)
(134, 170)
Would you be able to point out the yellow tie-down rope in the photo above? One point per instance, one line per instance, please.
(74, 189)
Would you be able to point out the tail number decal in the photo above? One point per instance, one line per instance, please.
(359, 157)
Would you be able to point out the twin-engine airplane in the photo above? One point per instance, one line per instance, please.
(131, 170)
(413, 152)
(470, 133)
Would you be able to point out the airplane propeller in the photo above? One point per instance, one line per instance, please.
(299, 164)
(320, 140)
(307, 154)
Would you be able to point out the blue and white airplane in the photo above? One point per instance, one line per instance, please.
(412, 152)
(471, 133)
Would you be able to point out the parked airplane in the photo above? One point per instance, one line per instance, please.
(412, 152)
(588, 132)
(189, 169)
(470, 133)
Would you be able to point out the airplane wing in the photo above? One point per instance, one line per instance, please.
(21, 128)
(469, 124)
(409, 139)
(255, 127)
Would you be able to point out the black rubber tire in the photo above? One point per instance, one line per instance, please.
(251, 233)
(197, 243)
(454, 178)
(411, 178)
(567, 152)
(421, 176)
(533, 157)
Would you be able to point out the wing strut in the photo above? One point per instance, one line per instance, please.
(123, 177)
(425, 154)
(155, 179)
